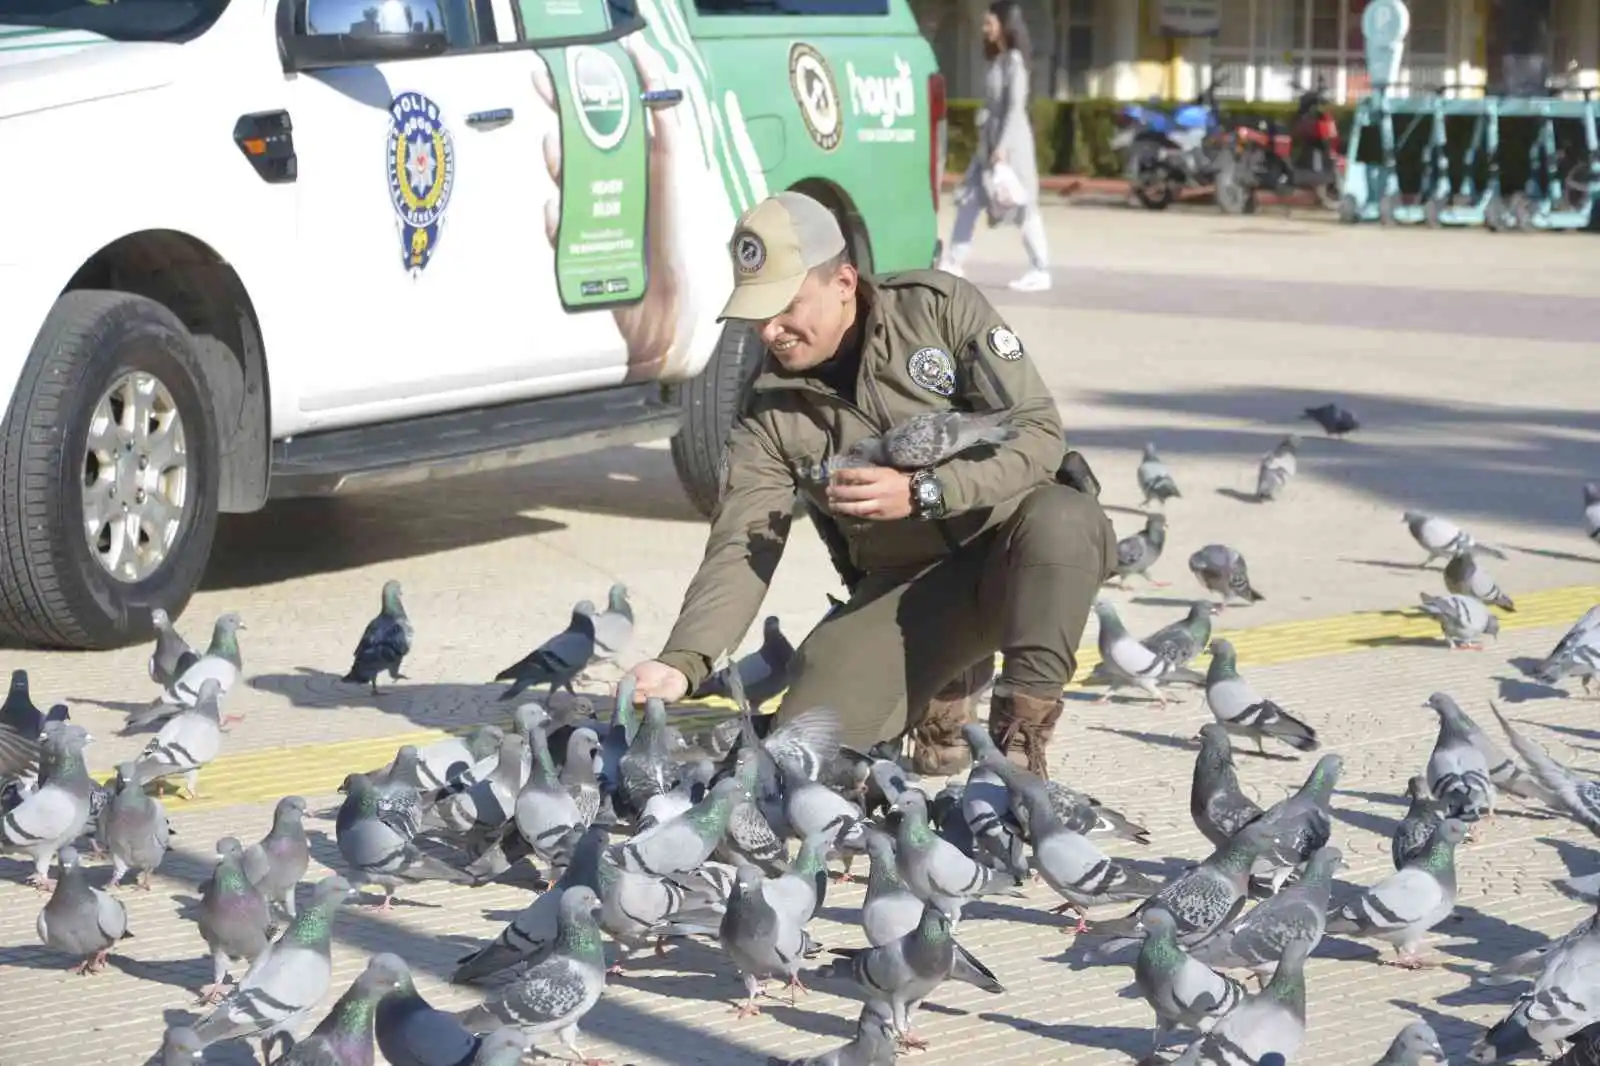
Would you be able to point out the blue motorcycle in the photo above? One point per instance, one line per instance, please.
(1165, 153)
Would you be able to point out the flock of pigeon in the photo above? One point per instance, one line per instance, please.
(647, 833)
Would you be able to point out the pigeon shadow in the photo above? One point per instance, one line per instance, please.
(1372, 823)
(1185, 602)
(1163, 870)
(1382, 564)
(1242, 497)
(1491, 939)
(1400, 642)
(1579, 858)
(1134, 1042)
(438, 705)
(1570, 730)
(1394, 799)
(1551, 553)
(1163, 740)
(189, 974)
(1517, 690)
(839, 1027)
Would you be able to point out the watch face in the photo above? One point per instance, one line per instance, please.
(928, 492)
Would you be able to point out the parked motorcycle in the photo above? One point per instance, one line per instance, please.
(1166, 153)
(1264, 158)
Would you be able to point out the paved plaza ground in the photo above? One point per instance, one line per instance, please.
(1470, 359)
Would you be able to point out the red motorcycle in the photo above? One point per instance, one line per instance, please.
(1265, 158)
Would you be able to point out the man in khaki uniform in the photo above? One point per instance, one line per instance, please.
(986, 551)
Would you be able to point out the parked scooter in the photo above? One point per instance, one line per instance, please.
(1264, 159)
(1166, 153)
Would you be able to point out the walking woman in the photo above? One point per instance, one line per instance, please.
(1005, 136)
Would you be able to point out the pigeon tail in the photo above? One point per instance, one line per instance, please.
(1292, 731)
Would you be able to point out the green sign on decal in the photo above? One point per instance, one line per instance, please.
(600, 246)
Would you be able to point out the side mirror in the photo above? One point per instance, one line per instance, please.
(315, 34)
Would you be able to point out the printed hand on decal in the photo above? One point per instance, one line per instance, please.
(650, 326)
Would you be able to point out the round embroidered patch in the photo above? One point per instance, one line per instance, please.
(750, 252)
(932, 369)
(1004, 343)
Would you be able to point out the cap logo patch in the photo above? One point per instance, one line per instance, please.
(749, 252)
(932, 369)
(1004, 343)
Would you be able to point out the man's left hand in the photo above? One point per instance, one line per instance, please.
(879, 493)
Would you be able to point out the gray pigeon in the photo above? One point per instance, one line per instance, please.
(482, 810)
(1579, 797)
(1413, 832)
(1270, 1022)
(1181, 641)
(180, 1047)
(613, 627)
(1277, 468)
(635, 906)
(764, 673)
(345, 1036)
(277, 862)
(1219, 808)
(899, 975)
(379, 845)
(558, 661)
(1155, 480)
(1561, 1005)
(21, 725)
(80, 920)
(531, 934)
(1412, 1044)
(1243, 711)
(1069, 863)
(503, 1047)
(1442, 538)
(1464, 619)
(647, 768)
(1301, 822)
(1256, 939)
(234, 917)
(188, 741)
(1402, 907)
(1465, 576)
(545, 810)
(1577, 653)
(984, 811)
(874, 1044)
(172, 654)
(1182, 991)
(384, 643)
(762, 940)
(287, 981)
(934, 869)
(221, 663)
(1503, 769)
(928, 439)
(443, 761)
(1138, 552)
(56, 813)
(410, 1032)
(136, 828)
(890, 910)
(810, 807)
(1126, 661)
(683, 843)
(554, 995)
(1222, 570)
(1458, 773)
(1591, 510)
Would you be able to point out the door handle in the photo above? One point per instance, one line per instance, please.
(657, 99)
(490, 119)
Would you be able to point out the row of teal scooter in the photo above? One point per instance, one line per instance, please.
(1561, 191)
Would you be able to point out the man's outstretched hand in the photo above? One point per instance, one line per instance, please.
(655, 678)
(874, 492)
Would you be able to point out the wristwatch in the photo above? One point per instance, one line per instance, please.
(927, 495)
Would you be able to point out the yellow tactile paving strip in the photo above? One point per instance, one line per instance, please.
(317, 769)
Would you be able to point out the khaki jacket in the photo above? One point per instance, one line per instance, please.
(929, 343)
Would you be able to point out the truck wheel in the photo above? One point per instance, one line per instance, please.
(710, 399)
(108, 475)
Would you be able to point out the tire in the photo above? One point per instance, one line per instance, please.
(1154, 192)
(710, 400)
(54, 591)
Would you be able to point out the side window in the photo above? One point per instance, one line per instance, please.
(541, 20)
(792, 7)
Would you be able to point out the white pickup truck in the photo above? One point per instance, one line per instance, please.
(269, 248)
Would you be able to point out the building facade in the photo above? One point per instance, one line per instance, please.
(1263, 48)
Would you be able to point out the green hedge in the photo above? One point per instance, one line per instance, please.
(1074, 137)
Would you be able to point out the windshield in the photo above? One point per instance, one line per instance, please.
(120, 20)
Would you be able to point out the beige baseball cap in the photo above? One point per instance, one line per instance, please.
(775, 245)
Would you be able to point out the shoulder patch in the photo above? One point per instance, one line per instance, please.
(1004, 343)
(931, 369)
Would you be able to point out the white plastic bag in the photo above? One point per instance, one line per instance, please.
(1004, 188)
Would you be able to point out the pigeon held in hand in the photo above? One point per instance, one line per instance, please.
(385, 642)
(929, 438)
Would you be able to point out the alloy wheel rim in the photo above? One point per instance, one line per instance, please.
(135, 476)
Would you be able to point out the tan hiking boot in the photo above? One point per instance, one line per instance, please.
(1022, 725)
(938, 748)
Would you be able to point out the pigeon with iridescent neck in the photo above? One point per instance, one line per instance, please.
(681, 844)
(276, 863)
(345, 1036)
(234, 917)
(1256, 939)
(56, 813)
(1126, 661)
(187, 742)
(936, 870)
(1179, 642)
(1402, 907)
(1183, 991)
(221, 663)
(1270, 1022)
(1422, 817)
(1216, 802)
(411, 1032)
(385, 642)
(613, 627)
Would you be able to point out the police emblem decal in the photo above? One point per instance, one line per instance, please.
(932, 369)
(749, 252)
(422, 172)
(1004, 343)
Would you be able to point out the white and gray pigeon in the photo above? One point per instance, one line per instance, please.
(986, 813)
(558, 661)
(379, 846)
(222, 663)
(1155, 480)
(137, 831)
(613, 627)
(555, 995)
(489, 803)
(233, 916)
(1276, 469)
(1243, 711)
(1439, 537)
(1222, 570)
(1269, 1022)
(1576, 654)
(287, 981)
(1503, 769)
(764, 938)
(928, 439)
(635, 907)
(811, 807)
(172, 655)
(436, 765)
(276, 863)
(1591, 510)
(80, 920)
(1465, 620)
(1402, 907)
(873, 1044)
(935, 870)
(56, 813)
(1457, 771)
(1412, 1044)
(1138, 552)
(1127, 662)
(1184, 992)
(187, 741)
(1256, 940)
(1465, 576)
(1563, 1002)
